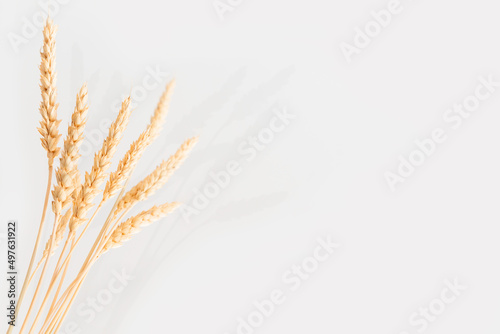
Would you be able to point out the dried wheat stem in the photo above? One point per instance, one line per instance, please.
(54, 306)
(56, 218)
(58, 306)
(157, 178)
(141, 191)
(120, 234)
(53, 318)
(27, 279)
(61, 281)
(63, 223)
(64, 265)
(48, 129)
(71, 238)
(90, 188)
(63, 316)
(61, 227)
(66, 177)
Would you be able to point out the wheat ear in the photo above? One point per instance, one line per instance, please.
(129, 161)
(49, 125)
(161, 110)
(157, 178)
(102, 161)
(131, 226)
(67, 172)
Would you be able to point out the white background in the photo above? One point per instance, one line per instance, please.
(323, 175)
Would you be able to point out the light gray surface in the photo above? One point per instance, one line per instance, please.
(322, 174)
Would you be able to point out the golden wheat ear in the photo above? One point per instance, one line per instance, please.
(49, 125)
(133, 225)
(118, 178)
(157, 178)
(102, 160)
(67, 176)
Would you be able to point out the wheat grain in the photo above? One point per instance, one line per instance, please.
(102, 160)
(131, 226)
(157, 178)
(49, 125)
(129, 161)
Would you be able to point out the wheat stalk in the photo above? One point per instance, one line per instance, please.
(50, 247)
(140, 192)
(69, 190)
(67, 177)
(66, 173)
(126, 165)
(85, 195)
(148, 185)
(120, 234)
(90, 188)
(63, 223)
(67, 180)
(49, 130)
